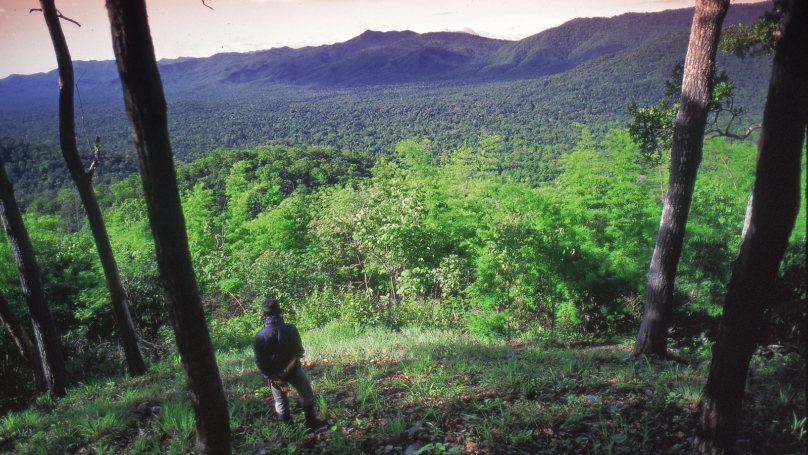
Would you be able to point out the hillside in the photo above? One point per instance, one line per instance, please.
(375, 58)
(424, 391)
(368, 93)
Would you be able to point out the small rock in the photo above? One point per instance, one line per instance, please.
(412, 449)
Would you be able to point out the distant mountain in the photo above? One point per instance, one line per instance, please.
(380, 58)
(368, 93)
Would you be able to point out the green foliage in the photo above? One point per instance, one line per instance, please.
(235, 332)
(176, 416)
(445, 239)
(488, 325)
(759, 38)
(652, 130)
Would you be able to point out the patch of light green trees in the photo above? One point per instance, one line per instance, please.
(426, 236)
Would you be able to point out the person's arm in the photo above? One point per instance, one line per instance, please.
(257, 355)
(289, 372)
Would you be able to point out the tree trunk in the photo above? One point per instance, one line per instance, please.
(776, 198)
(146, 109)
(688, 138)
(84, 186)
(24, 344)
(50, 349)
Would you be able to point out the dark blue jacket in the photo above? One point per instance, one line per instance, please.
(275, 346)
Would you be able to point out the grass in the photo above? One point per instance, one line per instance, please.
(432, 391)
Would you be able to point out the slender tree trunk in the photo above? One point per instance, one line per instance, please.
(146, 109)
(776, 199)
(24, 344)
(50, 349)
(84, 186)
(688, 138)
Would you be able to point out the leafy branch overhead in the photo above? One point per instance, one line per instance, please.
(652, 128)
(757, 40)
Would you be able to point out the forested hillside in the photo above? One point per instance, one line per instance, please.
(443, 240)
(533, 117)
(532, 113)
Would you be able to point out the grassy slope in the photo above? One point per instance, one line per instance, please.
(385, 392)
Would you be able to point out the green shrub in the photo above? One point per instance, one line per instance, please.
(569, 316)
(488, 325)
(437, 313)
(319, 308)
(236, 332)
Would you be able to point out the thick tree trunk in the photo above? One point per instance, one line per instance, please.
(24, 344)
(84, 186)
(776, 197)
(688, 138)
(146, 108)
(50, 348)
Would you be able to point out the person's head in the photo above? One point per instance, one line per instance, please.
(271, 306)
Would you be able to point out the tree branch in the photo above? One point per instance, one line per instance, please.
(59, 14)
(96, 158)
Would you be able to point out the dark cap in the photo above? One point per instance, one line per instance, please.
(271, 306)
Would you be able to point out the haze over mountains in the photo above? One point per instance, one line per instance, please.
(367, 94)
(377, 58)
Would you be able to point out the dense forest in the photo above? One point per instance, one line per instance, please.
(532, 112)
(444, 236)
(511, 219)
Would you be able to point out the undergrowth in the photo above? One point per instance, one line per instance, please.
(429, 392)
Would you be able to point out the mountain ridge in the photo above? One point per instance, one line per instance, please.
(393, 57)
(535, 116)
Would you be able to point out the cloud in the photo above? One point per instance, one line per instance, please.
(467, 30)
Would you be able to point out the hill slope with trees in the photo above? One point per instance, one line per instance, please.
(533, 116)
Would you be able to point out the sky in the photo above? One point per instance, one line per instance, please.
(187, 28)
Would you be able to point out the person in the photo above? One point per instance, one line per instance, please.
(278, 349)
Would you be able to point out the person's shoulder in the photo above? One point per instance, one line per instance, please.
(265, 330)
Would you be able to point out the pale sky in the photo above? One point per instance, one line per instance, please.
(186, 28)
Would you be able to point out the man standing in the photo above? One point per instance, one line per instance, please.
(278, 349)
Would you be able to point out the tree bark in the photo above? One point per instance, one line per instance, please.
(24, 344)
(67, 138)
(776, 198)
(146, 109)
(686, 154)
(50, 349)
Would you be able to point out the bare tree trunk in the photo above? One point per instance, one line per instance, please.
(688, 138)
(50, 349)
(146, 109)
(24, 344)
(84, 186)
(776, 199)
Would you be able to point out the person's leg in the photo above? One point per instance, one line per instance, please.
(281, 404)
(302, 384)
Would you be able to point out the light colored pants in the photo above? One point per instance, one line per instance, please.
(302, 384)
